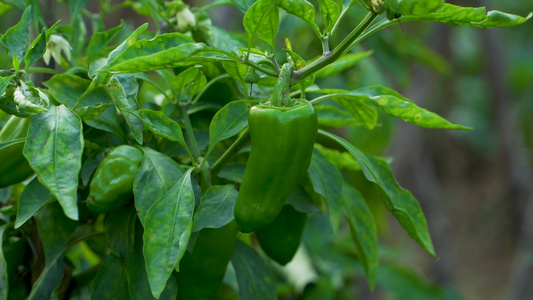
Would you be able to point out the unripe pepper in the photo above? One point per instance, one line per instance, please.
(112, 183)
(282, 133)
(14, 167)
(281, 238)
(202, 271)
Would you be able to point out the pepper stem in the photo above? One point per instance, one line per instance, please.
(281, 95)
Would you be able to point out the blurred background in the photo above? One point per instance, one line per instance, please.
(475, 187)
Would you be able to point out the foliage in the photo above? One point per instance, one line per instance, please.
(181, 94)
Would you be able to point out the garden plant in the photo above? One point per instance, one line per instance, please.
(182, 160)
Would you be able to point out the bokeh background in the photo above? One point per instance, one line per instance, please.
(475, 187)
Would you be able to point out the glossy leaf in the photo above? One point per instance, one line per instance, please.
(54, 147)
(156, 176)
(363, 230)
(262, 19)
(167, 230)
(17, 37)
(334, 117)
(111, 280)
(300, 8)
(178, 84)
(233, 171)
(216, 207)
(456, 16)
(123, 100)
(327, 182)
(229, 121)
(36, 50)
(253, 274)
(243, 5)
(88, 113)
(161, 125)
(120, 232)
(330, 11)
(100, 40)
(139, 287)
(237, 71)
(132, 39)
(415, 7)
(4, 277)
(54, 229)
(362, 113)
(399, 201)
(33, 198)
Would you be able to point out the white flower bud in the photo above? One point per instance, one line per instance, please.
(54, 47)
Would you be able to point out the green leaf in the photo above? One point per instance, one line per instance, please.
(398, 106)
(139, 287)
(17, 37)
(76, 6)
(100, 40)
(362, 113)
(327, 182)
(341, 160)
(216, 207)
(300, 8)
(156, 176)
(54, 147)
(415, 7)
(4, 276)
(90, 165)
(229, 121)
(33, 198)
(168, 225)
(262, 19)
(334, 117)
(4, 82)
(161, 125)
(363, 230)
(237, 71)
(54, 229)
(120, 232)
(244, 5)
(181, 56)
(88, 113)
(399, 201)
(233, 171)
(343, 63)
(36, 51)
(178, 84)
(132, 39)
(125, 100)
(254, 277)
(49, 279)
(67, 88)
(330, 11)
(299, 62)
(111, 280)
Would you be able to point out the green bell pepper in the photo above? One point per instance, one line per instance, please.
(282, 133)
(281, 238)
(202, 271)
(112, 184)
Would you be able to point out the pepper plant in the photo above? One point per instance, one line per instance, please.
(127, 173)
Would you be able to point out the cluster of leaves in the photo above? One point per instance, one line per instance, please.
(182, 98)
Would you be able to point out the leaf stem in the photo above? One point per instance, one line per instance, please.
(230, 152)
(340, 50)
(209, 84)
(190, 133)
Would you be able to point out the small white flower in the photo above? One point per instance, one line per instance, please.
(54, 47)
(186, 19)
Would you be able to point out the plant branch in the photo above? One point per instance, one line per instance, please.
(232, 150)
(190, 133)
(209, 84)
(340, 50)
